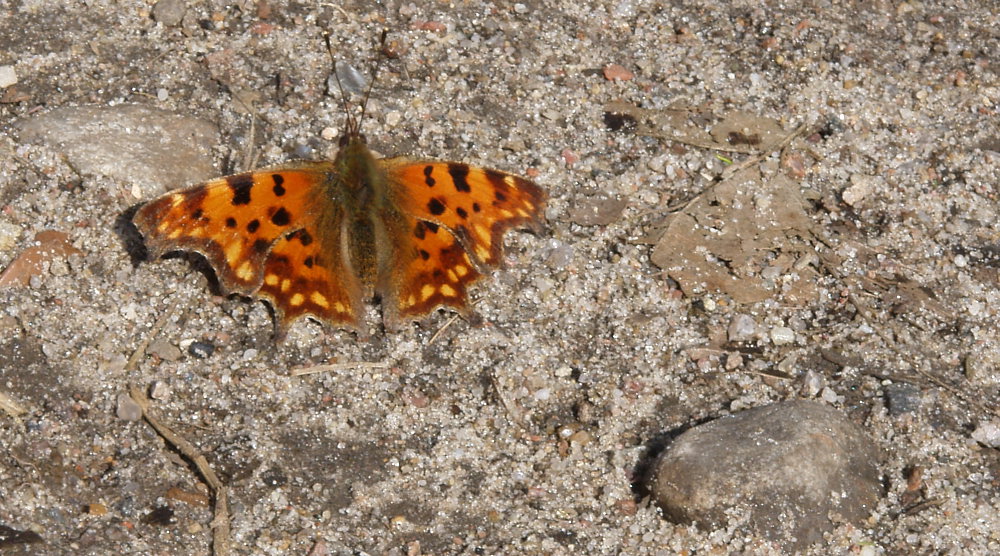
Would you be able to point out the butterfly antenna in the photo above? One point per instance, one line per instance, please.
(375, 68)
(352, 124)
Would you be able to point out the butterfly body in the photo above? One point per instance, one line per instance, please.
(317, 238)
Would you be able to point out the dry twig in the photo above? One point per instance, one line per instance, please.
(221, 542)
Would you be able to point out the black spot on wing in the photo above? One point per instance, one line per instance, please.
(419, 231)
(460, 175)
(281, 217)
(253, 225)
(436, 207)
(428, 179)
(230, 222)
(240, 184)
(462, 212)
(261, 246)
(279, 188)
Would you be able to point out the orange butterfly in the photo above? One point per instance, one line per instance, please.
(317, 238)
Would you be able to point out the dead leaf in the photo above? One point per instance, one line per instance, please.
(722, 241)
(49, 244)
(738, 132)
(597, 211)
(742, 128)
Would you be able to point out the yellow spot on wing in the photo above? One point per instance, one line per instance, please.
(426, 291)
(176, 199)
(484, 234)
(296, 300)
(319, 299)
(244, 272)
(233, 251)
(286, 284)
(448, 291)
(175, 234)
(271, 279)
(482, 253)
(452, 276)
(461, 270)
(506, 213)
(339, 307)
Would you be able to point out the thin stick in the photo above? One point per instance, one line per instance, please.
(444, 327)
(221, 542)
(335, 367)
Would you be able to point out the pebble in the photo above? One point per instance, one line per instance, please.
(741, 328)
(170, 13)
(777, 464)
(201, 350)
(164, 350)
(8, 76)
(988, 434)
(981, 367)
(782, 335)
(617, 72)
(128, 410)
(902, 397)
(860, 187)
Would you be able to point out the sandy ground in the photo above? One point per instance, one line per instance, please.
(523, 435)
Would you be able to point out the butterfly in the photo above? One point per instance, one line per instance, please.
(317, 238)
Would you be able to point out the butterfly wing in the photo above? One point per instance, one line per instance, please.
(451, 229)
(275, 233)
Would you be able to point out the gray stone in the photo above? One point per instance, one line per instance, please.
(788, 468)
(149, 148)
(741, 328)
(169, 12)
(127, 409)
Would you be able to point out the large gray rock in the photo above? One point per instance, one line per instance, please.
(152, 149)
(794, 469)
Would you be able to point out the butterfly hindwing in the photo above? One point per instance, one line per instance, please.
(428, 267)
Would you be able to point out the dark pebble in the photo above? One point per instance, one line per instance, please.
(201, 350)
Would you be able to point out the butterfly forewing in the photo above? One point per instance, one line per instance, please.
(263, 234)
(477, 204)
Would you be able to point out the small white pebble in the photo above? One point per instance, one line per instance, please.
(162, 94)
(393, 117)
(8, 76)
(961, 261)
(782, 335)
(329, 133)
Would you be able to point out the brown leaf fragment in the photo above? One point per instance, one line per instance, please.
(49, 244)
(725, 240)
(597, 211)
(742, 128)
